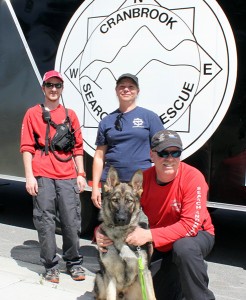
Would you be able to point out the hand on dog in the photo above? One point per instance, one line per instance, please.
(102, 241)
(139, 237)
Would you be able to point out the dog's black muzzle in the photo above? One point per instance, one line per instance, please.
(122, 218)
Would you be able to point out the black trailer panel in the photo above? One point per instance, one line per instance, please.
(222, 159)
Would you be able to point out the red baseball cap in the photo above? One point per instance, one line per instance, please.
(52, 73)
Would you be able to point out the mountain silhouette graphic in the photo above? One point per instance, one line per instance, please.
(184, 54)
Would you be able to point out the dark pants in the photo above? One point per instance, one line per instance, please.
(62, 197)
(182, 272)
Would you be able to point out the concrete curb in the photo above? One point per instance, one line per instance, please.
(22, 281)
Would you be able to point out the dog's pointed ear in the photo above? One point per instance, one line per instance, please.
(137, 182)
(112, 179)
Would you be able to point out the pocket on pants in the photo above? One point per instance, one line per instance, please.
(37, 217)
(76, 189)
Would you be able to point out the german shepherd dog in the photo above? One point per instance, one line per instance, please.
(118, 277)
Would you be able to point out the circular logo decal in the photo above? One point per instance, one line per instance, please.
(184, 57)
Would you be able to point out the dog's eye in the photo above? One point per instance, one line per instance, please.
(129, 200)
(115, 200)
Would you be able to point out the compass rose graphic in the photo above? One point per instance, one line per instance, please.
(184, 56)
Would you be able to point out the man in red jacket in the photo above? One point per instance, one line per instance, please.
(54, 177)
(174, 200)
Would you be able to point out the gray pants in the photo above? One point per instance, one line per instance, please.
(62, 197)
(182, 272)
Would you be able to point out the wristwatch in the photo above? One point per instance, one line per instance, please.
(83, 174)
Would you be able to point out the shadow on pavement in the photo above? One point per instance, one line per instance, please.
(90, 258)
(87, 295)
(30, 250)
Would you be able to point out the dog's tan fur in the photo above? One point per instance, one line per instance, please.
(118, 277)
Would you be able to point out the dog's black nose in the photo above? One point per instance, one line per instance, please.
(121, 219)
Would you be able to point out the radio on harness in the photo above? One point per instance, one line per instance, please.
(63, 140)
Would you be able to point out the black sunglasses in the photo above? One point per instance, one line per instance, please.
(165, 154)
(50, 85)
(118, 122)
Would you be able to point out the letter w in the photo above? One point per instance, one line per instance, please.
(73, 73)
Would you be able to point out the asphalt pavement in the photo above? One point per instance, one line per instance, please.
(21, 270)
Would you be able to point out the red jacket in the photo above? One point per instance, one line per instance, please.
(48, 165)
(178, 209)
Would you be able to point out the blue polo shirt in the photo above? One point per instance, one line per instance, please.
(129, 148)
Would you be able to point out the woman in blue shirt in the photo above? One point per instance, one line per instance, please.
(123, 137)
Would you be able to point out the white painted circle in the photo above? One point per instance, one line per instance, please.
(183, 53)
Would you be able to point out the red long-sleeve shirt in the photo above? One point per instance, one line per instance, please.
(48, 165)
(177, 209)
